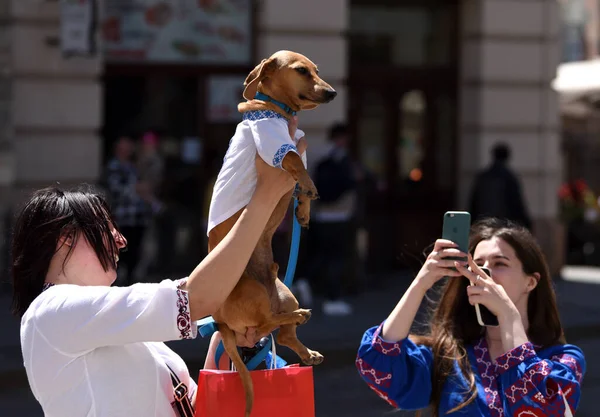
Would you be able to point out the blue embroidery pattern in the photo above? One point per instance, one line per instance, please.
(262, 114)
(281, 152)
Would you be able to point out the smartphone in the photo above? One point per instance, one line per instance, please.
(457, 226)
(484, 316)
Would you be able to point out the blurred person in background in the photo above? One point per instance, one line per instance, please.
(150, 166)
(332, 225)
(125, 195)
(497, 191)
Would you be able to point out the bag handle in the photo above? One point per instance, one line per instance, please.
(180, 391)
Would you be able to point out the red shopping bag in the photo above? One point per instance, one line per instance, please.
(282, 392)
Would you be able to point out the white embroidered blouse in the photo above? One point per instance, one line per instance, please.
(98, 351)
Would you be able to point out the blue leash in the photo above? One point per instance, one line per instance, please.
(209, 326)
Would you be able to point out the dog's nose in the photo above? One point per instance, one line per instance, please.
(330, 94)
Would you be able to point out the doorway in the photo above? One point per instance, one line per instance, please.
(403, 116)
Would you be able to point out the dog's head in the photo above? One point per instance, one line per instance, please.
(291, 78)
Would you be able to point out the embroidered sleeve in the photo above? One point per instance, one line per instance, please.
(272, 139)
(76, 319)
(400, 372)
(538, 385)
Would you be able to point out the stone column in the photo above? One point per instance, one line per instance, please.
(510, 52)
(7, 163)
(56, 106)
(316, 29)
(7, 154)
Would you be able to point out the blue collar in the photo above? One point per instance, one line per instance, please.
(264, 97)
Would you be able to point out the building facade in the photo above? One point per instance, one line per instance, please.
(427, 87)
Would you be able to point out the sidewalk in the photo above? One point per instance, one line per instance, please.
(338, 337)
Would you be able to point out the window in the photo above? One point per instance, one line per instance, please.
(402, 35)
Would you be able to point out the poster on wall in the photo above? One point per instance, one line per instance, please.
(177, 31)
(77, 26)
(224, 95)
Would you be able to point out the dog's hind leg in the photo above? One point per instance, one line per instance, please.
(287, 337)
(297, 317)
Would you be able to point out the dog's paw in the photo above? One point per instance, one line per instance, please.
(303, 213)
(307, 187)
(314, 358)
(303, 316)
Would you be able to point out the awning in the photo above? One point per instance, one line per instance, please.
(578, 87)
(577, 79)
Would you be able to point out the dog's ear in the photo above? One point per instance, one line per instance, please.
(260, 72)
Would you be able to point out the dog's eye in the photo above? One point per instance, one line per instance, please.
(302, 70)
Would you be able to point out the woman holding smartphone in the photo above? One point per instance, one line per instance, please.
(521, 367)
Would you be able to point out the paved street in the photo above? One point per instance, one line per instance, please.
(338, 389)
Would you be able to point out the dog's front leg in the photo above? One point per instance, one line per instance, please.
(292, 163)
(307, 191)
(303, 210)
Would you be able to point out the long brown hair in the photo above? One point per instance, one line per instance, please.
(454, 325)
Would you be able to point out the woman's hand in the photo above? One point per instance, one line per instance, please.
(487, 292)
(437, 265)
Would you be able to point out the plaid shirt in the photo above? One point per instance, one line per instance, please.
(128, 208)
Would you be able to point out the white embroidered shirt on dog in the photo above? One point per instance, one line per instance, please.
(262, 131)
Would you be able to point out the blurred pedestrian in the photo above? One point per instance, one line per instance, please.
(332, 224)
(131, 212)
(150, 166)
(497, 191)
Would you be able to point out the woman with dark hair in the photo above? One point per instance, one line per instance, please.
(90, 349)
(522, 367)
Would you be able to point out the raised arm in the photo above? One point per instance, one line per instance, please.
(399, 322)
(393, 366)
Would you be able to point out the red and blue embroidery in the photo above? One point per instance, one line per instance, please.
(527, 411)
(514, 357)
(527, 381)
(387, 348)
(384, 396)
(486, 370)
(570, 362)
(383, 379)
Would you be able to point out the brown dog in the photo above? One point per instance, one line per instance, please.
(260, 299)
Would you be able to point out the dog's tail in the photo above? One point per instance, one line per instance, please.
(231, 349)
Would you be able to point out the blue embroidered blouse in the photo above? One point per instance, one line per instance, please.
(524, 382)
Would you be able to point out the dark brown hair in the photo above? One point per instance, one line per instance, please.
(454, 324)
(49, 215)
